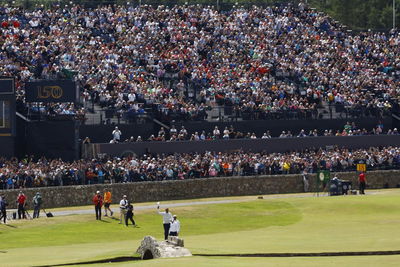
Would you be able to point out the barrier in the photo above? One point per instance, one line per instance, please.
(195, 188)
(252, 145)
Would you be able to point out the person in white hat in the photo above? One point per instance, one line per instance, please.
(122, 208)
(175, 226)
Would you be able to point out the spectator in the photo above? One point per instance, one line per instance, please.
(116, 134)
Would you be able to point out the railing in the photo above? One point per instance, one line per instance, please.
(219, 4)
(347, 112)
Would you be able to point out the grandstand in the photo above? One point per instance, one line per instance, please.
(169, 101)
(283, 70)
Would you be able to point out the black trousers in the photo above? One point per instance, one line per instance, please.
(173, 233)
(129, 216)
(362, 188)
(3, 215)
(21, 211)
(97, 208)
(166, 230)
(36, 211)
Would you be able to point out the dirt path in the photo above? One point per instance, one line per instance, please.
(190, 203)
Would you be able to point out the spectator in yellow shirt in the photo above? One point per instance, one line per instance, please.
(107, 202)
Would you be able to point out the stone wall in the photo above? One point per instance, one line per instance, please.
(195, 188)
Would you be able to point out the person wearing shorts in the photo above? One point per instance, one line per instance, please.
(107, 202)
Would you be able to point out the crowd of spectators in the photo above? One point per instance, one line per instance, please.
(258, 61)
(43, 172)
(349, 129)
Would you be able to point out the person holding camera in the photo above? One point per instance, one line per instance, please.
(37, 202)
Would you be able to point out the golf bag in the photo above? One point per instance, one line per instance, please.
(48, 214)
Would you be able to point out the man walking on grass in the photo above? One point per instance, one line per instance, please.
(123, 204)
(98, 203)
(167, 218)
(129, 215)
(107, 202)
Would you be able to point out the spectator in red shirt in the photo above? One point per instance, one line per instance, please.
(362, 182)
(21, 200)
(98, 203)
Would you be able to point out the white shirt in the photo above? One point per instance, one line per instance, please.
(167, 217)
(116, 134)
(175, 226)
(123, 203)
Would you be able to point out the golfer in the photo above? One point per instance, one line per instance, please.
(167, 218)
(123, 204)
(98, 203)
(107, 202)
(175, 227)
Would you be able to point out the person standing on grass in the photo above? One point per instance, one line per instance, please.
(167, 218)
(129, 214)
(107, 202)
(21, 200)
(122, 208)
(3, 208)
(175, 227)
(98, 203)
(37, 202)
(362, 181)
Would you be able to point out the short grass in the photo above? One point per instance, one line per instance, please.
(289, 224)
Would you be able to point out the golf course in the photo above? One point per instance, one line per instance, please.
(219, 234)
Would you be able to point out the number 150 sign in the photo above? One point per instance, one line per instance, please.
(45, 92)
(51, 91)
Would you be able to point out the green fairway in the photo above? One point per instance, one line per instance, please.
(284, 224)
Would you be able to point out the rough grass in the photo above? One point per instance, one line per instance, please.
(325, 224)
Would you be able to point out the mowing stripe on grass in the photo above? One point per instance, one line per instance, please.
(313, 254)
(113, 260)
